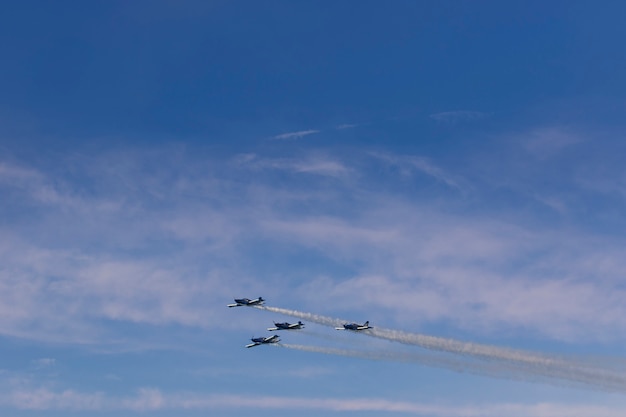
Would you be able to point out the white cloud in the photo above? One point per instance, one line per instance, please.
(347, 126)
(311, 164)
(172, 247)
(44, 362)
(152, 399)
(407, 165)
(33, 183)
(548, 141)
(44, 399)
(427, 167)
(295, 135)
(426, 263)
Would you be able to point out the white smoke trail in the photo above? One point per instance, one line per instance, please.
(484, 358)
(431, 359)
(446, 361)
(315, 318)
(425, 341)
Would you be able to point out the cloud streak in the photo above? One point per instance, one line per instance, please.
(407, 165)
(155, 236)
(313, 164)
(295, 135)
(154, 400)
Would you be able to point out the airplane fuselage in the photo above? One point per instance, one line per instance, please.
(247, 302)
(286, 326)
(256, 341)
(355, 326)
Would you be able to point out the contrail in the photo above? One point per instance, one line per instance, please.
(530, 363)
(315, 318)
(374, 355)
(446, 361)
(424, 341)
(431, 359)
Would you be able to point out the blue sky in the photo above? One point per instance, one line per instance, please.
(450, 169)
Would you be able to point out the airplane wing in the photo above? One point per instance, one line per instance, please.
(271, 329)
(233, 305)
(252, 345)
(340, 328)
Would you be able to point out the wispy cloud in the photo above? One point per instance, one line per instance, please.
(153, 399)
(295, 135)
(44, 399)
(312, 164)
(547, 141)
(44, 362)
(178, 223)
(347, 126)
(407, 165)
(429, 168)
(33, 183)
(431, 267)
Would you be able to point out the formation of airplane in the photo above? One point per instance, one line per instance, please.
(256, 341)
(355, 326)
(247, 302)
(286, 326)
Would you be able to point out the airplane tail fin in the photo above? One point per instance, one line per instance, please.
(367, 323)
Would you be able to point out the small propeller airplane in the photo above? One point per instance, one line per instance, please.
(355, 326)
(247, 302)
(256, 341)
(286, 326)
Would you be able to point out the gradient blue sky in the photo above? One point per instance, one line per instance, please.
(451, 168)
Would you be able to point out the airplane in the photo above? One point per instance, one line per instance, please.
(286, 326)
(256, 341)
(247, 302)
(355, 326)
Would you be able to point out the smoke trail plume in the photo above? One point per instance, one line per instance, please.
(425, 341)
(473, 356)
(315, 318)
(422, 358)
